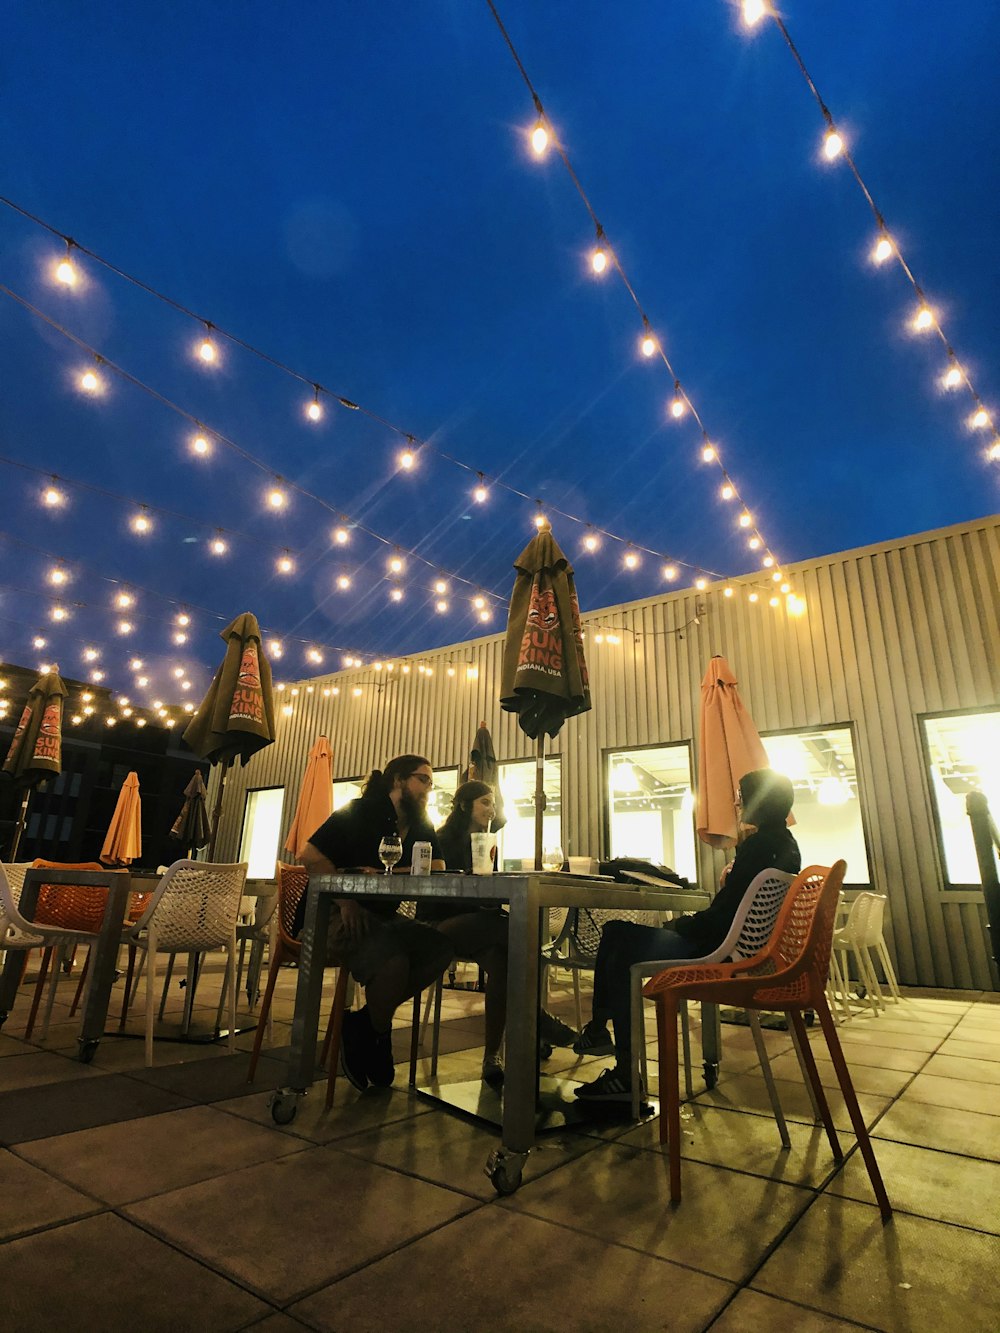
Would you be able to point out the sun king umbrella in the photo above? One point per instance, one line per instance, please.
(315, 803)
(483, 767)
(544, 675)
(124, 841)
(190, 828)
(236, 717)
(36, 751)
(730, 747)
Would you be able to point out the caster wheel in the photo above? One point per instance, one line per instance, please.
(88, 1049)
(711, 1072)
(504, 1170)
(284, 1106)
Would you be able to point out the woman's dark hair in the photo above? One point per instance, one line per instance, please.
(767, 797)
(460, 814)
(380, 781)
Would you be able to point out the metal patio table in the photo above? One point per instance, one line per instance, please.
(528, 895)
(104, 955)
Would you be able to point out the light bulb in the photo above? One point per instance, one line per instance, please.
(993, 452)
(786, 587)
(449, 671)
(753, 12)
(923, 319)
(701, 584)
(480, 495)
(631, 560)
(951, 378)
(774, 601)
(189, 707)
(768, 561)
(183, 619)
(343, 582)
(218, 546)
(590, 542)
(677, 408)
(314, 410)
(708, 454)
(140, 722)
(97, 677)
(407, 460)
(395, 565)
(201, 446)
(833, 145)
(440, 587)
(754, 597)
(90, 654)
(58, 576)
(52, 497)
(208, 352)
(90, 381)
(38, 642)
(540, 521)
(356, 691)
(670, 572)
(285, 564)
(441, 607)
(59, 613)
(882, 250)
(65, 273)
(124, 600)
(142, 682)
(745, 520)
(485, 614)
(396, 594)
(276, 498)
(539, 139)
(340, 536)
(754, 543)
(136, 664)
(479, 602)
(140, 523)
(124, 627)
(777, 576)
(648, 345)
(727, 492)
(980, 419)
(599, 259)
(727, 592)
(275, 648)
(180, 637)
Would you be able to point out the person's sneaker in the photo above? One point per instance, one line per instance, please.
(554, 1031)
(355, 1039)
(381, 1067)
(493, 1071)
(610, 1086)
(594, 1040)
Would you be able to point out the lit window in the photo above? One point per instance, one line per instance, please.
(517, 838)
(963, 756)
(262, 831)
(651, 806)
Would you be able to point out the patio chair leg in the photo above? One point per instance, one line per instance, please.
(415, 1038)
(436, 1038)
(817, 1120)
(127, 997)
(265, 1012)
(336, 1024)
(150, 985)
(863, 978)
(797, 1021)
(686, 1043)
(50, 999)
(670, 1101)
(428, 1005)
(871, 979)
(639, 1072)
(231, 979)
(79, 988)
(166, 983)
(753, 1019)
(854, 1110)
(576, 999)
(36, 998)
(887, 968)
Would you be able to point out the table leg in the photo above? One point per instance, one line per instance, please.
(309, 993)
(103, 964)
(505, 1164)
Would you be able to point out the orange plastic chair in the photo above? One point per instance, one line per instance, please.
(789, 975)
(292, 884)
(71, 906)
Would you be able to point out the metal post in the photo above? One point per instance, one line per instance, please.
(987, 840)
(539, 799)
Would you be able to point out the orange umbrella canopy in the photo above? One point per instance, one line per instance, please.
(36, 750)
(315, 804)
(730, 747)
(124, 841)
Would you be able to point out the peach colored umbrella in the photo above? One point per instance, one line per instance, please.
(315, 804)
(730, 747)
(124, 841)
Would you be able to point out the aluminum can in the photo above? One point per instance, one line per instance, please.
(421, 861)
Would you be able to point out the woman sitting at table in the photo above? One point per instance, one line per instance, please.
(765, 801)
(478, 932)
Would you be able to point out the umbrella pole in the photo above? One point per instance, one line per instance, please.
(19, 829)
(539, 798)
(217, 812)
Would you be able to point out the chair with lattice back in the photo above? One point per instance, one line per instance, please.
(749, 933)
(575, 946)
(789, 976)
(77, 907)
(193, 910)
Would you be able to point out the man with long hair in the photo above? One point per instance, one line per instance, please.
(390, 955)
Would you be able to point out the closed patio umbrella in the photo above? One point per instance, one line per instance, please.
(484, 768)
(236, 717)
(123, 843)
(36, 751)
(190, 828)
(729, 747)
(544, 675)
(315, 803)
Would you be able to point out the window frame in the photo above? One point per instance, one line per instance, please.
(971, 892)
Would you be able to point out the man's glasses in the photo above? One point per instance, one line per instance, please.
(425, 779)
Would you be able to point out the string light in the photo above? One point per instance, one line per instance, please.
(407, 460)
(343, 582)
(708, 454)
(90, 654)
(183, 619)
(38, 642)
(141, 522)
(951, 378)
(276, 498)
(591, 542)
(753, 12)
(677, 405)
(124, 600)
(539, 139)
(218, 545)
(745, 520)
(396, 594)
(726, 491)
(980, 419)
(599, 255)
(631, 560)
(124, 627)
(485, 615)
(97, 677)
(136, 664)
(275, 648)
(701, 584)
(478, 603)
(647, 344)
(541, 521)
(923, 319)
(65, 270)
(670, 572)
(201, 446)
(341, 536)
(52, 497)
(285, 564)
(314, 410)
(833, 145)
(441, 607)
(142, 682)
(208, 352)
(58, 576)
(395, 564)
(90, 382)
(180, 638)
(440, 587)
(480, 494)
(59, 613)
(882, 250)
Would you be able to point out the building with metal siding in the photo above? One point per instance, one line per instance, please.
(890, 633)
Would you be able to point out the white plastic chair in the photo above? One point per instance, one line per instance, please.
(861, 936)
(748, 934)
(194, 909)
(575, 947)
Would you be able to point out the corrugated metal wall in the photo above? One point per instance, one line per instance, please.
(890, 632)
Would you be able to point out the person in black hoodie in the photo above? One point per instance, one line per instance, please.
(764, 803)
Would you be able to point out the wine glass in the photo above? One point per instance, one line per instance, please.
(390, 849)
(552, 858)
